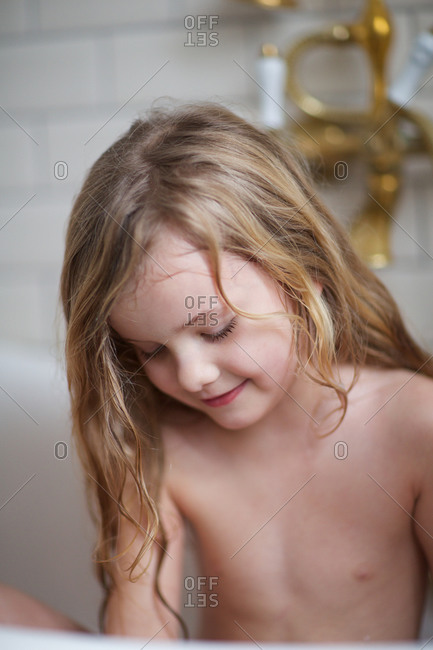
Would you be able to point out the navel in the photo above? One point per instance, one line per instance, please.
(362, 573)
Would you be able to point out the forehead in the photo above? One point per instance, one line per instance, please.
(176, 278)
(170, 255)
(174, 271)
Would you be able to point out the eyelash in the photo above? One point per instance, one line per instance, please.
(223, 333)
(212, 338)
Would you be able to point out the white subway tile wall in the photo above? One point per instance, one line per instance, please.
(74, 74)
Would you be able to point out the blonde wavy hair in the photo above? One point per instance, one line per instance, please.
(225, 185)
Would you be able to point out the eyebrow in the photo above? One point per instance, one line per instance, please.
(180, 328)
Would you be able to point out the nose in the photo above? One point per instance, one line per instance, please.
(195, 370)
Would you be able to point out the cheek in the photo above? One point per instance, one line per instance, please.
(266, 348)
(160, 376)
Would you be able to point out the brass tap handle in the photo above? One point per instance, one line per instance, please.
(373, 33)
(327, 133)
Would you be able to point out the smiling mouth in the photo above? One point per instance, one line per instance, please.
(225, 398)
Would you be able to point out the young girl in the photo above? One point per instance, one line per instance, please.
(238, 374)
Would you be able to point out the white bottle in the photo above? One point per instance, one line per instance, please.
(271, 77)
(410, 80)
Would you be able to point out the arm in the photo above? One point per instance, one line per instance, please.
(423, 517)
(423, 511)
(20, 609)
(133, 608)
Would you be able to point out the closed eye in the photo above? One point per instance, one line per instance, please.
(211, 338)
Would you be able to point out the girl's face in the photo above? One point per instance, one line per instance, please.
(195, 348)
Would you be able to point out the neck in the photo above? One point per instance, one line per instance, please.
(307, 412)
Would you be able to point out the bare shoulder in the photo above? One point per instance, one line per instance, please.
(411, 394)
(404, 390)
(415, 410)
(400, 402)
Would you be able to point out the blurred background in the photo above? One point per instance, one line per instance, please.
(73, 75)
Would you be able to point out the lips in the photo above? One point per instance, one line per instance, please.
(225, 398)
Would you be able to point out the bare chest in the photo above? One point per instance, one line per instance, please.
(281, 539)
(319, 527)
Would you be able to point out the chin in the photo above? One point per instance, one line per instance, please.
(235, 420)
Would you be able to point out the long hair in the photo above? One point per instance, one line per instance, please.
(225, 185)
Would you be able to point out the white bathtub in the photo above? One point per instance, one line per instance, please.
(16, 639)
(46, 534)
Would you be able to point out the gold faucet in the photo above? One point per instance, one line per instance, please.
(330, 135)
